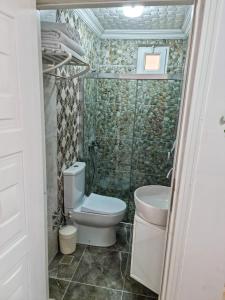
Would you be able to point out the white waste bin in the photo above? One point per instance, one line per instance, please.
(67, 239)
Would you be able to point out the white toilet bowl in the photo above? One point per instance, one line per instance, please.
(95, 216)
(96, 219)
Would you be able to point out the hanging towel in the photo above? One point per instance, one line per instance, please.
(66, 28)
(53, 39)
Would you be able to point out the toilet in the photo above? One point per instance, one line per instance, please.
(95, 216)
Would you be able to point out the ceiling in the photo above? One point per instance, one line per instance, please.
(155, 22)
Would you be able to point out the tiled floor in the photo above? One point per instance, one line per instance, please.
(94, 273)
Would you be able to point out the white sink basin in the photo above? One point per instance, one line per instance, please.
(152, 203)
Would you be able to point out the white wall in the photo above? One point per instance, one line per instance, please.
(50, 94)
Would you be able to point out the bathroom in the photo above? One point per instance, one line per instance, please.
(112, 142)
(117, 123)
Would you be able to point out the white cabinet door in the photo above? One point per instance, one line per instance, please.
(22, 228)
(148, 250)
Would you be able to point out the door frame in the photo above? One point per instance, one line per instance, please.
(42, 112)
(58, 4)
(198, 76)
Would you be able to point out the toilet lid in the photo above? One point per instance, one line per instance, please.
(103, 205)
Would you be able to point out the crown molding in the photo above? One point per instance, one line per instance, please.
(144, 34)
(186, 27)
(91, 20)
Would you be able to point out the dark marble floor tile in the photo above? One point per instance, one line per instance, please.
(67, 259)
(102, 267)
(63, 266)
(134, 286)
(57, 288)
(78, 291)
(123, 236)
(130, 296)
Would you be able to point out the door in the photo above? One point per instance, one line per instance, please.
(22, 227)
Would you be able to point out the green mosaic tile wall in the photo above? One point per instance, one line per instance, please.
(120, 56)
(133, 122)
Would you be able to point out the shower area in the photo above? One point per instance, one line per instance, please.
(129, 129)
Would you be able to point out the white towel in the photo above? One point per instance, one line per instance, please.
(58, 46)
(66, 28)
(54, 38)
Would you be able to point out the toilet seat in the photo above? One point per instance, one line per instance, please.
(102, 205)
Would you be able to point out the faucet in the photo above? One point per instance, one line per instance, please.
(169, 173)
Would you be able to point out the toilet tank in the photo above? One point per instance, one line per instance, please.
(74, 181)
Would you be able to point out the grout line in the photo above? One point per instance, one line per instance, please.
(79, 261)
(98, 286)
(128, 254)
(73, 273)
(125, 273)
(65, 290)
(127, 264)
(61, 279)
(142, 295)
(112, 250)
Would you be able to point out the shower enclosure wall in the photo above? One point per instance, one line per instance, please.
(129, 128)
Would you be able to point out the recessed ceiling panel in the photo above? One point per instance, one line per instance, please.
(153, 18)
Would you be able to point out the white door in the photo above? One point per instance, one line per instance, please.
(22, 228)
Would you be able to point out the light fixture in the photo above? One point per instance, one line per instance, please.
(133, 11)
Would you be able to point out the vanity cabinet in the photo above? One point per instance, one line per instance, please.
(148, 249)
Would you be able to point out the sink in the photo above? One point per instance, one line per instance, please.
(152, 203)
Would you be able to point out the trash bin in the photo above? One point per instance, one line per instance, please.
(67, 239)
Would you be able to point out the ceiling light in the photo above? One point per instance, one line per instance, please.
(133, 11)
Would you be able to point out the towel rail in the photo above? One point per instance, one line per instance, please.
(60, 64)
(56, 58)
